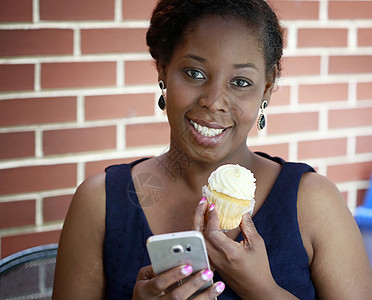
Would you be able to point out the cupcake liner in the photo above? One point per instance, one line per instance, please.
(229, 213)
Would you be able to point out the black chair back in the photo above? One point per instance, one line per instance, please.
(28, 274)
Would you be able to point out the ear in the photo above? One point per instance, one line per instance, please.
(162, 73)
(270, 84)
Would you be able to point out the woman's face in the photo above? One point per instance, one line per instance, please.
(215, 85)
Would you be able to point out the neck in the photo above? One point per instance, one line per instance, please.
(194, 172)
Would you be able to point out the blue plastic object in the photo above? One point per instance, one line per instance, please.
(363, 217)
(363, 213)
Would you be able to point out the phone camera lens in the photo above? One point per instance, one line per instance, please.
(176, 249)
(188, 248)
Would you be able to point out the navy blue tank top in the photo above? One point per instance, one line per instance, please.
(276, 221)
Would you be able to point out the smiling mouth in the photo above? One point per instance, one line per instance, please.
(206, 131)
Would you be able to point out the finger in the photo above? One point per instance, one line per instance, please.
(199, 214)
(157, 285)
(216, 240)
(213, 291)
(249, 231)
(145, 273)
(212, 220)
(192, 285)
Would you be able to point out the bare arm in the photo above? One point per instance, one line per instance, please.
(339, 263)
(79, 268)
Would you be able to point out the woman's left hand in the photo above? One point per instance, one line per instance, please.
(244, 266)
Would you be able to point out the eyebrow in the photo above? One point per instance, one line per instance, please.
(236, 66)
(198, 58)
(247, 65)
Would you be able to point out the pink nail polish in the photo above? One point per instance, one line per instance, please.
(220, 287)
(186, 270)
(212, 207)
(207, 274)
(202, 200)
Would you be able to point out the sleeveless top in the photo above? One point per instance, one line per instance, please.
(276, 221)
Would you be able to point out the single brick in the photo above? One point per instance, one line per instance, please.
(322, 148)
(301, 65)
(118, 106)
(364, 37)
(138, 9)
(320, 37)
(292, 122)
(147, 134)
(14, 243)
(17, 213)
(16, 11)
(364, 90)
(16, 77)
(113, 40)
(140, 72)
(17, 144)
(315, 93)
(29, 111)
(354, 117)
(350, 172)
(349, 10)
(78, 74)
(56, 10)
(350, 64)
(296, 10)
(37, 178)
(79, 140)
(364, 144)
(36, 42)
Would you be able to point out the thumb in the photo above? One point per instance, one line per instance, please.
(249, 231)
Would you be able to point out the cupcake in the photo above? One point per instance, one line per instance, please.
(231, 188)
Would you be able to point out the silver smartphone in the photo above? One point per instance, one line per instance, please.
(170, 250)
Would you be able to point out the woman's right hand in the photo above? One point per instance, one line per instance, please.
(150, 286)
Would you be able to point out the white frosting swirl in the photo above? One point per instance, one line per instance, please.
(234, 181)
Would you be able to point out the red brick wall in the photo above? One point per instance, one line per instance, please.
(78, 92)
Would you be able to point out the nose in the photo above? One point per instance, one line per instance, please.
(214, 98)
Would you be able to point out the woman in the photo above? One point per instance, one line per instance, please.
(217, 63)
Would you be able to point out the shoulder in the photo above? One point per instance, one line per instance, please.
(320, 204)
(91, 195)
(94, 183)
(79, 269)
(87, 209)
(319, 193)
(333, 240)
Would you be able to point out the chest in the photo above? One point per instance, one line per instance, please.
(172, 211)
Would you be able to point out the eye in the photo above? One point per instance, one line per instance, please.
(195, 74)
(241, 82)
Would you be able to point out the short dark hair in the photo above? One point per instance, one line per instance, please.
(170, 19)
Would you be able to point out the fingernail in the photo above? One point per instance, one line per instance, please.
(186, 270)
(202, 200)
(212, 207)
(220, 287)
(207, 274)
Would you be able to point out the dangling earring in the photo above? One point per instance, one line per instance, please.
(261, 122)
(162, 97)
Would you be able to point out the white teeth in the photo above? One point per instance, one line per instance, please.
(206, 131)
